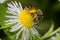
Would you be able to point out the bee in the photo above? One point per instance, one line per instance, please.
(35, 13)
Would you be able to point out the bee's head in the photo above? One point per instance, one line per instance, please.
(31, 9)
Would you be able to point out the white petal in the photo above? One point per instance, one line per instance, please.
(2, 1)
(14, 7)
(34, 31)
(12, 17)
(20, 6)
(11, 6)
(13, 13)
(16, 4)
(32, 34)
(16, 11)
(13, 3)
(16, 27)
(19, 33)
(13, 10)
(11, 21)
(25, 35)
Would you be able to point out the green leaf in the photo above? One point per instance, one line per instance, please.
(58, 37)
(0, 39)
(54, 32)
(7, 26)
(2, 14)
(55, 37)
(49, 31)
(37, 37)
(11, 36)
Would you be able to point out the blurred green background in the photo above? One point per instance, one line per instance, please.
(50, 9)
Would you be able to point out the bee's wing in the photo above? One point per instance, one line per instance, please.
(39, 12)
(40, 16)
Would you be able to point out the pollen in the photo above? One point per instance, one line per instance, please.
(33, 10)
(26, 19)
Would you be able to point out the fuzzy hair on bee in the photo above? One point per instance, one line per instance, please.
(38, 16)
(35, 13)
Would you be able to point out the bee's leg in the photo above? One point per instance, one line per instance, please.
(41, 18)
(35, 16)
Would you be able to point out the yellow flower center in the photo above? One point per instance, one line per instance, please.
(26, 19)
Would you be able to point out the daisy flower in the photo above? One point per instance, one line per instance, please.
(25, 23)
(2, 1)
